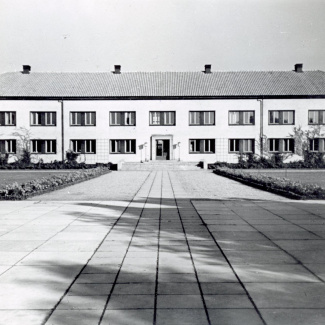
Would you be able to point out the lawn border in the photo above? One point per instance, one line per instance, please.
(54, 188)
(258, 183)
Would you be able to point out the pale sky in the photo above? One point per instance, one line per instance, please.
(161, 35)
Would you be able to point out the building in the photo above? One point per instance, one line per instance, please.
(141, 116)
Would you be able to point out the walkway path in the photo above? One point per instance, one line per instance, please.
(155, 250)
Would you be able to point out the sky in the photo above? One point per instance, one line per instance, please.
(161, 35)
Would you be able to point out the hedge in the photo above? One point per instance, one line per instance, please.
(282, 186)
(17, 191)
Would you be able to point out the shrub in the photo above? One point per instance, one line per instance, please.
(18, 192)
(278, 185)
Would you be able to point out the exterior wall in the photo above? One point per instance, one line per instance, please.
(146, 135)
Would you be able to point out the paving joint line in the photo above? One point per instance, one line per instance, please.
(127, 250)
(158, 248)
(190, 252)
(279, 247)
(230, 265)
(95, 251)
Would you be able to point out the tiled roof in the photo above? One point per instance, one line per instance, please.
(163, 84)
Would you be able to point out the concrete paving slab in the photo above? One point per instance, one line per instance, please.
(181, 317)
(124, 317)
(235, 317)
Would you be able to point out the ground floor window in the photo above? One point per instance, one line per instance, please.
(202, 146)
(83, 146)
(43, 146)
(317, 145)
(123, 146)
(8, 146)
(281, 145)
(241, 145)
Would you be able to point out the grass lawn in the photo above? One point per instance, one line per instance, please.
(23, 176)
(304, 176)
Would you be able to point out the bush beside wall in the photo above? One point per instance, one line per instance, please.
(282, 186)
(20, 192)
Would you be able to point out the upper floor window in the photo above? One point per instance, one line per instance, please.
(202, 118)
(43, 146)
(8, 146)
(7, 118)
(241, 145)
(83, 146)
(122, 118)
(282, 117)
(162, 118)
(202, 146)
(82, 118)
(43, 118)
(281, 145)
(317, 145)
(316, 117)
(123, 146)
(241, 117)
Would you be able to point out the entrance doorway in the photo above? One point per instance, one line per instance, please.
(162, 149)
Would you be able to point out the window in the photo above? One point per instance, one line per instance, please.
(281, 145)
(8, 146)
(82, 118)
(43, 146)
(83, 146)
(43, 118)
(281, 117)
(162, 118)
(202, 145)
(7, 118)
(122, 118)
(241, 117)
(123, 146)
(241, 145)
(202, 118)
(317, 145)
(316, 117)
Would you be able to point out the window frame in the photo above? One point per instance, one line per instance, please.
(83, 118)
(42, 146)
(82, 143)
(200, 146)
(201, 116)
(42, 117)
(6, 144)
(121, 146)
(161, 118)
(320, 116)
(241, 143)
(241, 117)
(12, 115)
(123, 118)
(281, 117)
(282, 144)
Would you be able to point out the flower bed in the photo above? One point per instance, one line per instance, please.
(17, 191)
(282, 186)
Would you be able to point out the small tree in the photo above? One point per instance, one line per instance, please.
(23, 146)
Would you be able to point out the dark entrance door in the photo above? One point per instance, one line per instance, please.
(162, 149)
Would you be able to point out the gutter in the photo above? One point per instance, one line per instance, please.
(261, 127)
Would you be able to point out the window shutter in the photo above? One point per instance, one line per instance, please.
(83, 118)
(281, 117)
(42, 142)
(281, 145)
(241, 118)
(118, 118)
(132, 118)
(42, 118)
(122, 143)
(201, 118)
(201, 145)
(162, 119)
(83, 146)
(241, 146)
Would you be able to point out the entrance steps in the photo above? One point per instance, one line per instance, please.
(162, 165)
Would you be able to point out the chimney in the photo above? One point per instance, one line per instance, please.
(117, 69)
(207, 68)
(26, 69)
(298, 67)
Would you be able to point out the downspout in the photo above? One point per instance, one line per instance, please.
(261, 128)
(62, 128)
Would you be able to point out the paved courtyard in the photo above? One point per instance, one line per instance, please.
(166, 247)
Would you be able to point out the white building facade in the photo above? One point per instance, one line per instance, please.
(195, 116)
